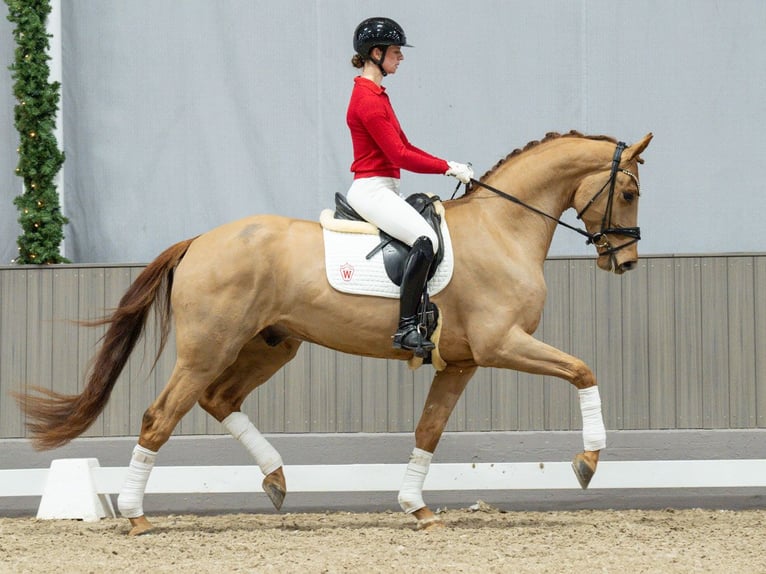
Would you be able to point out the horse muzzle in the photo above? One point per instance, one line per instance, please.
(618, 260)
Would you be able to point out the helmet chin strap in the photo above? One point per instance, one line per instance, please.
(379, 62)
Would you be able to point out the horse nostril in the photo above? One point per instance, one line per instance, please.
(628, 265)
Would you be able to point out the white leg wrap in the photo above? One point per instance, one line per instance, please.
(265, 455)
(411, 493)
(593, 431)
(131, 498)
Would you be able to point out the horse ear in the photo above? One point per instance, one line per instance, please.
(633, 151)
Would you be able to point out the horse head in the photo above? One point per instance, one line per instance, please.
(607, 202)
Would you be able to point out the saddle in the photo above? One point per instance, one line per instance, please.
(395, 251)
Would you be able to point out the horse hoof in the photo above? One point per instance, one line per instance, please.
(583, 469)
(275, 494)
(274, 487)
(430, 523)
(140, 526)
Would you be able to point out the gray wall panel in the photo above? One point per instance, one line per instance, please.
(661, 335)
(759, 280)
(741, 342)
(634, 348)
(688, 343)
(13, 341)
(677, 343)
(715, 356)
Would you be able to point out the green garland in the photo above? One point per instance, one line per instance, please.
(35, 119)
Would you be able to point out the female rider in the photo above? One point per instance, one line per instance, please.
(381, 150)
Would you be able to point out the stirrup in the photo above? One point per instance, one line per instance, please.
(410, 338)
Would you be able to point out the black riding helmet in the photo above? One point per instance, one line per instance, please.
(378, 32)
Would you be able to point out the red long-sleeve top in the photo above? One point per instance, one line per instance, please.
(380, 146)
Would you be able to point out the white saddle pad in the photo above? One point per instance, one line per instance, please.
(346, 245)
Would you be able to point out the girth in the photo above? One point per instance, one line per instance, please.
(394, 250)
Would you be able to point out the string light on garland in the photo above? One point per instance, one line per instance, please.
(39, 161)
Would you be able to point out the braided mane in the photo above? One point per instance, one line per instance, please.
(548, 137)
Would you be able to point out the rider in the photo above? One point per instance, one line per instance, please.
(380, 150)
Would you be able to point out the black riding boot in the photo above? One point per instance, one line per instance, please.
(414, 279)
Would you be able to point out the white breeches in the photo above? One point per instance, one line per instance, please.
(378, 200)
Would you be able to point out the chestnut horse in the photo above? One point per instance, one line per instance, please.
(245, 295)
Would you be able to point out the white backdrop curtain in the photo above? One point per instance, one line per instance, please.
(182, 115)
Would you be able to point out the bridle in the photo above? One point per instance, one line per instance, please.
(599, 239)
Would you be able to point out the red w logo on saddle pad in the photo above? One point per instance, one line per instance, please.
(346, 272)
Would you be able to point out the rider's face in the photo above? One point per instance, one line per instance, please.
(393, 57)
(391, 61)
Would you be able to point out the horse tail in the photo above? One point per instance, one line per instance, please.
(54, 419)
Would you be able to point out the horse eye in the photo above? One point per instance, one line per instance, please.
(628, 196)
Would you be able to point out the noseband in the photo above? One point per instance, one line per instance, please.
(598, 239)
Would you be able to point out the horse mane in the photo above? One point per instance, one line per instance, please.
(534, 143)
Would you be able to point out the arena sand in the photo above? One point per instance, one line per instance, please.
(482, 539)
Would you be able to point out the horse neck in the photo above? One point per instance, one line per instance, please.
(545, 178)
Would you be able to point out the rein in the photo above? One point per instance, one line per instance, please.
(598, 239)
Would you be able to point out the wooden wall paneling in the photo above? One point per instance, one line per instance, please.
(349, 393)
(505, 392)
(476, 403)
(688, 356)
(13, 360)
(741, 342)
(661, 344)
(715, 332)
(39, 328)
(690, 332)
(608, 364)
(323, 389)
(374, 385)
(635, 348)
(400, 397)
(759, 284)
(298, 391)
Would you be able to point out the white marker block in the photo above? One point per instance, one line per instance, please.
(70, 492)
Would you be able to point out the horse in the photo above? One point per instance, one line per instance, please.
(245, 295)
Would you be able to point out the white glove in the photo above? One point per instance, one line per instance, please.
(462, 171)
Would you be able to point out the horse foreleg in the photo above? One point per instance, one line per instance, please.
(446, 388)
(522, 352)
(256, 363)
(593, 433)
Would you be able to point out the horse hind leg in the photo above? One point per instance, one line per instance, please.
(177, 398)
(256, 363)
